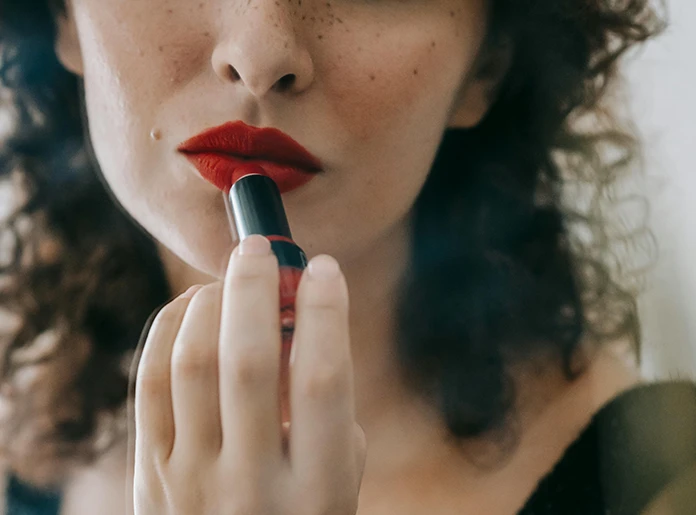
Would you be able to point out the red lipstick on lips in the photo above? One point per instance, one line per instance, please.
(257, 207)
(220, 154)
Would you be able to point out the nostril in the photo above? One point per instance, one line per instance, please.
(285, 82)
(233, 73)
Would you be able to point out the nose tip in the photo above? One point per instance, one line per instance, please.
(264, 57)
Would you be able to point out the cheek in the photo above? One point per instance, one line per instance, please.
(130, 73)
(402, 67)
(380, 88)
(138, 53)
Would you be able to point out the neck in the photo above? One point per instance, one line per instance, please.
(381, 402)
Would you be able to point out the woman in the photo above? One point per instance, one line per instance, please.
(480, 359)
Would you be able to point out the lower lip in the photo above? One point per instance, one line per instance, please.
(224, 170)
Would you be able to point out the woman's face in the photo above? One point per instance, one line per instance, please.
(376, 84)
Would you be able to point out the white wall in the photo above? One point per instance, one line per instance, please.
(663, 92)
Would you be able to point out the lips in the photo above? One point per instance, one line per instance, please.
(222, 155)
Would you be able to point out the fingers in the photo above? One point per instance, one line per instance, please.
(249, 355)
(195, 376)
(207, 392)
(153, 400)
(322, 435)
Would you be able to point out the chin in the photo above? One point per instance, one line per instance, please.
(202, 251)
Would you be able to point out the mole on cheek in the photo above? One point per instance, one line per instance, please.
(156, 134)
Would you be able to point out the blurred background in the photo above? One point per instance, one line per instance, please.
(662, 80)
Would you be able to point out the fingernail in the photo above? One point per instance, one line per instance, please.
(255, 245)
(324, 267)
(191, 291)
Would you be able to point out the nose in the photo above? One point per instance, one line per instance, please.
(262, 51)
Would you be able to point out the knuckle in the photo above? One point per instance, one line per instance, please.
(253, 269)
(242, 283)
(194, 359)
(152, 384)
(247, 368)
(329, 297)
(329, 311)
(326, 380)
(327, 306)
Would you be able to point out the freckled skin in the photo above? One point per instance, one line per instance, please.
(374, 86)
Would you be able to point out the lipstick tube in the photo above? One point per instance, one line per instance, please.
(257, 208)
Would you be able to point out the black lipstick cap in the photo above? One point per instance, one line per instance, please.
(258, 208)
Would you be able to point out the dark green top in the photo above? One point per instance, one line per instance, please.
(633, 448)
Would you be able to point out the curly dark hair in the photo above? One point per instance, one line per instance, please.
(497, 272)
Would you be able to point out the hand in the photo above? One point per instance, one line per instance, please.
(208, 433)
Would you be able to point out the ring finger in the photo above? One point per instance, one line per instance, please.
(195, 398)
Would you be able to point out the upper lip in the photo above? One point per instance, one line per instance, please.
(239, 139)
